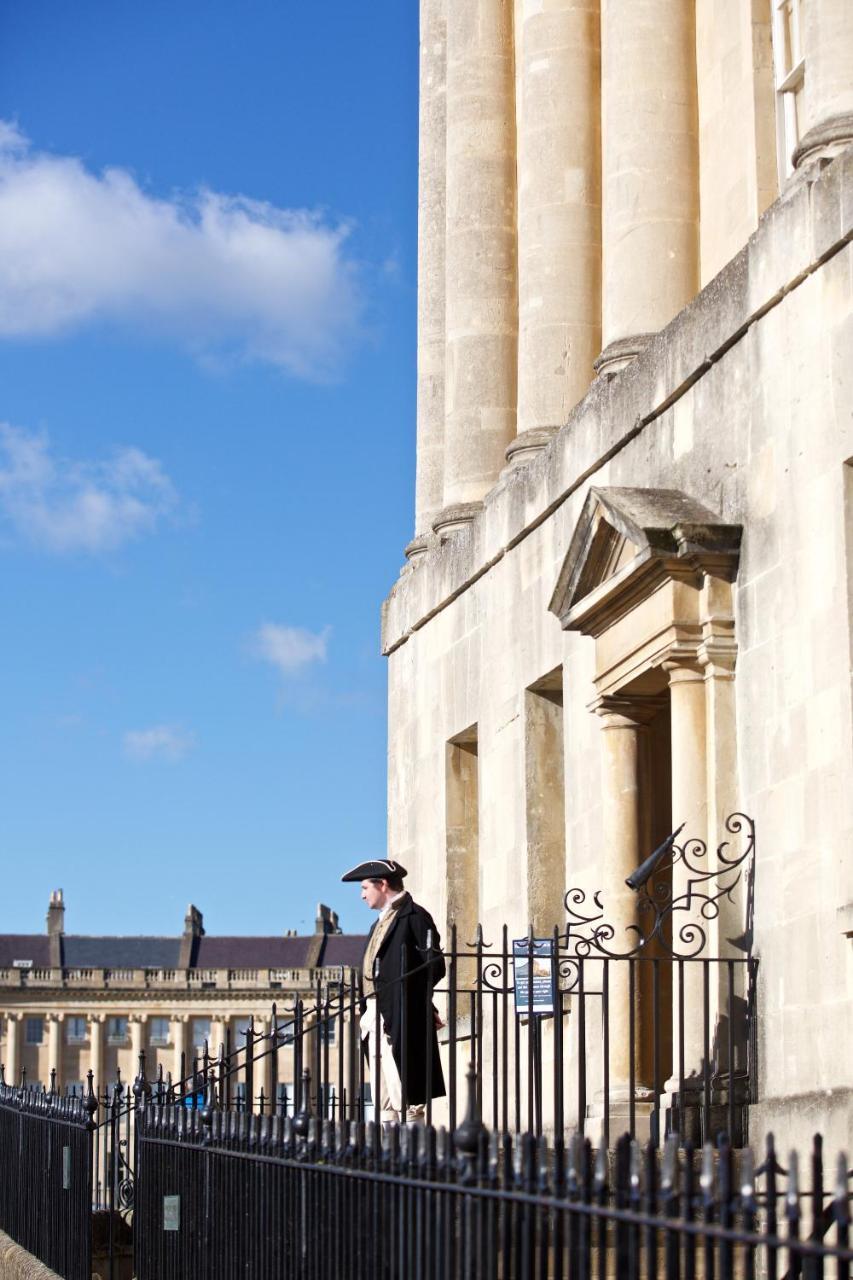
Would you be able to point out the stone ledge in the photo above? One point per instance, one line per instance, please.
(810, 222)
(17, 1264)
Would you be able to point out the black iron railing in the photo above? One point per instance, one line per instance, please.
(647, 1026)
(225, 1194)
(45, 1178)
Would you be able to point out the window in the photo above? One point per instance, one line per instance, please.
(462, 789)
(788, 75)
(76, 1030)
(160, 1031)
(286, 1032)
(240, 1094)
(35, 1030)
(116, 1030)
(201, 1032)
(327, 1101)
(74, 1089)
(328, 1029)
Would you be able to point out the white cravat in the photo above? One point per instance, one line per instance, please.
(389, 904)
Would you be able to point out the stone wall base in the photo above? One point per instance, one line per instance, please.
(17, 1264)
(794, 1121)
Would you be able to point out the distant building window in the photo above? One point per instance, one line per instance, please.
(286, 1032)
(201, 1032)
(284, 1095)
(35, 1030)
(327, 1101)
(160, 1031)
(327, 1030)
(74, 1089)
(789, 74)
(240, 1094)
(116, 1030)
(76, 1030)
(241, 1026)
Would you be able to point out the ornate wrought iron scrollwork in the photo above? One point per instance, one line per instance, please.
(666, 912)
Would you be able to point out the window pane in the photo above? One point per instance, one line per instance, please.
(117, 1030)
(159, 1031)
(35, 1030)
(74, 1089)
(201, 1032)
(77, 1031)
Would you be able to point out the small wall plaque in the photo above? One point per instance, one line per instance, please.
(535, 976)
(171, 1213)
(66, 1168)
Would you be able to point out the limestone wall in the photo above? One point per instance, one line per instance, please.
(744, 402)
(17, 1264)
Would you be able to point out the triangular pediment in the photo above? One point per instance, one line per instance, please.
(623, 533)
(609, 552)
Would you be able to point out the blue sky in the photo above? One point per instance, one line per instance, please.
(207, 407)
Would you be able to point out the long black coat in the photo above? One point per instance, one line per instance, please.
(410, 930)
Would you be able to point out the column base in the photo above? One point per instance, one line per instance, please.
(416, 548)
(456, 516)
(620, 1116)
(616, 355)
(824, 141)
(691, 1122)
(527, 445)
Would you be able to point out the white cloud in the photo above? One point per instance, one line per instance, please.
(64, 505)
(161, 742)
(228, 276)
(289, 648)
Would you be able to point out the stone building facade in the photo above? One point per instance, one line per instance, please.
(71, 1003)
(627, 604)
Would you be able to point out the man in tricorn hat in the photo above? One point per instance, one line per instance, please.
(402, 964)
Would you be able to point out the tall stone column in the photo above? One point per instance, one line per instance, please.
(179, 1040)
(432, 163)
(622, 722)
(690, 806)
(54, 1046)
(480, 263)
(13, 1048)
(559, 214)
(96, 1049)
(827, 41)
(650, 171)
(138, 1023)
(217, 1036)
(263, 1067)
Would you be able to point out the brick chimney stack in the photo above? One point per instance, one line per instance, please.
(55, 928)
(193, 930)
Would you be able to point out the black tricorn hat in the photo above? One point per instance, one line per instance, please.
(378, 869)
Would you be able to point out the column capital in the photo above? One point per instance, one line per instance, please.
(98, 1018)
(684, 667)
(622, 711)
(718, 658)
